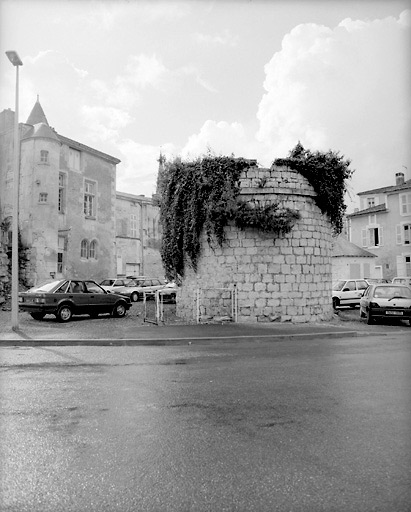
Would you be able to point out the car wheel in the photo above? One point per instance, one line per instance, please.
(64, 313)
(336, 302)
(370, 319)
(119, 310)
(37, 316)
(134, 297)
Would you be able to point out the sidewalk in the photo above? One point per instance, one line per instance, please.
(132, 331)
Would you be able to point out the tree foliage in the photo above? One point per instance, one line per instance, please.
(327, 173)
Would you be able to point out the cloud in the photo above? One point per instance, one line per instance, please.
(139, 166)
(104, 123)
(344, 88)
(223, 39)
(221, 137)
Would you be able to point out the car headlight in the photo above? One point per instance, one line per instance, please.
(374, 305)
(39, 301)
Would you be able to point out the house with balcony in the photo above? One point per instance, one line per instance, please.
(382, 225)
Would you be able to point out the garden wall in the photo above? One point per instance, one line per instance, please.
(287, 278)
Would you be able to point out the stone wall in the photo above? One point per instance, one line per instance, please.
(277, 279)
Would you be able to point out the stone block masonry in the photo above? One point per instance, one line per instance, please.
(278, 277)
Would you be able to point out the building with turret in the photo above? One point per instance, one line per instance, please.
(68, 206)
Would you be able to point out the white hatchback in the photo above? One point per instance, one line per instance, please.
(348, 292)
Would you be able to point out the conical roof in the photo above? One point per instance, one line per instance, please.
(37, 115)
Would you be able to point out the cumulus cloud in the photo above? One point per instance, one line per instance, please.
(344, 88)
(139, 168)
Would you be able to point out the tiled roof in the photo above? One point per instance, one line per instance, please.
(37, 115)
(371, 209)
(387, 190)
(42, 130)
(82, 147)
(341, 247)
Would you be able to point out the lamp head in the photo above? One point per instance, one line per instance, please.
(14, 58)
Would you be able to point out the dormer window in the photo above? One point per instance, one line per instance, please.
(370, 202)
(44, 156)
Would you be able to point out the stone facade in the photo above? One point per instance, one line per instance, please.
(287, 278)
(138, 236)
(69, 209)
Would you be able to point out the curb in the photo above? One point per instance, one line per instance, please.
(183, 340)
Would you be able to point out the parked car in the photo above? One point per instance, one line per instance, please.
(67, 297)
(373, 280)
(135, 288)
(382, 301)
(348, 292)
(402, 280)
(169, 293)
(112, 285)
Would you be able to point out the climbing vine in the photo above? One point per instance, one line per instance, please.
(204, 196)
(327, 173)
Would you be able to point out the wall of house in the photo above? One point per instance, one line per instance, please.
(354, 268)
(277, 279)
(75, 226)
(392, 251)
(137, 236)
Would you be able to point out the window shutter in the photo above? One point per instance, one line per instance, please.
(364, 237)
(398, 233)
(380, 236)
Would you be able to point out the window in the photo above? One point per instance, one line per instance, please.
(372, 236)
(88, 250)
(404, 234)
(44, 156)
(408, 265)
(62, 193)
(43, 197)
(84, 249)
(74, 159)
(93, 250)
(60, 254)
(89, 198)
(370, 202)
(405, 204)
(133, 225)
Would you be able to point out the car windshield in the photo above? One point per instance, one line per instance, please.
(107, 282)
(46, 287)
(338, 285)
(392, 292)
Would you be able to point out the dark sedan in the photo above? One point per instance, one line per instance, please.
(67, 297)
(382, 301)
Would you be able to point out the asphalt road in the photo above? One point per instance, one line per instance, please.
(296, 425)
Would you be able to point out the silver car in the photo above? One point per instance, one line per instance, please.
(382, 301)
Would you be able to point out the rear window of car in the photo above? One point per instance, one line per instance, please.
(45, 287)
(107, 282)
(388, 292)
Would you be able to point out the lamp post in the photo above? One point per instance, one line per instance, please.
(15, 60)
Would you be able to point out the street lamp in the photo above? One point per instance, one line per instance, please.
(15, 60)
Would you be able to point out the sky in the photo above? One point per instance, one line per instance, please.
(250, 78)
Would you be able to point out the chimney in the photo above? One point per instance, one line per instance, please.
(399, 178)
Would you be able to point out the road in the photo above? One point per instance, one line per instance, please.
(286, 425)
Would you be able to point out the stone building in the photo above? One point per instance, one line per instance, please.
(68, 206)
(285, 278)
(138, 236)
(383, 226)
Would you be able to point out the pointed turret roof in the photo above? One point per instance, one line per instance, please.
(37, 115)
